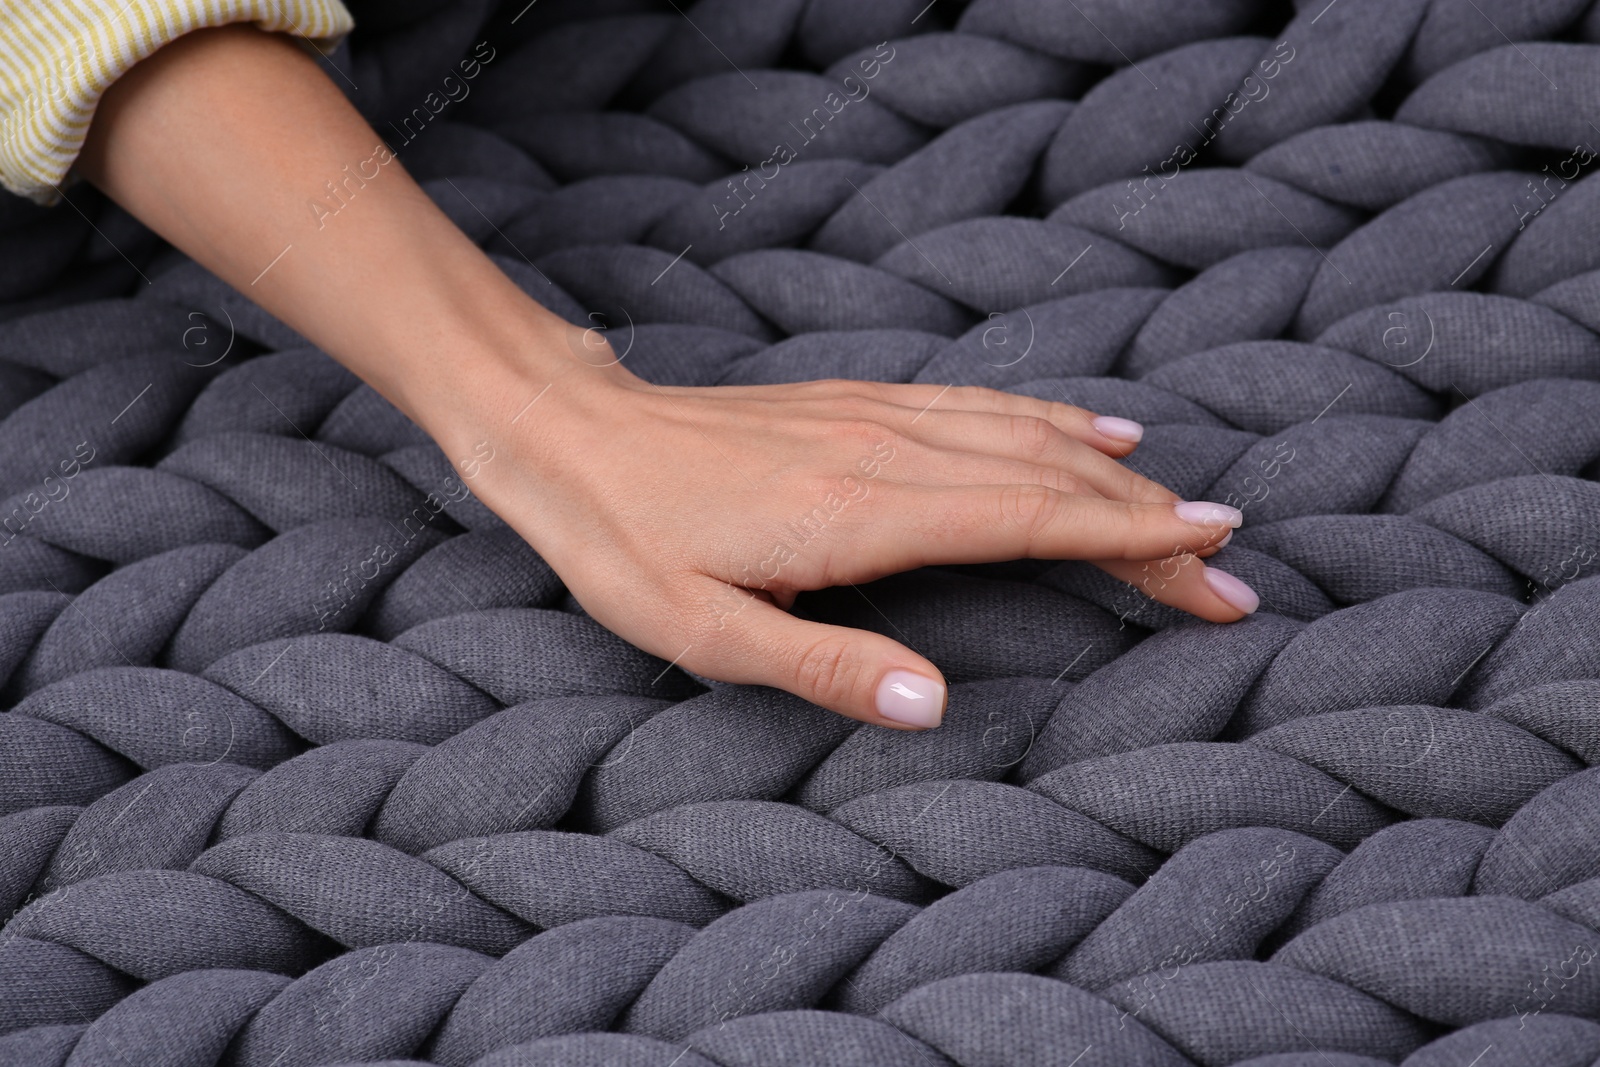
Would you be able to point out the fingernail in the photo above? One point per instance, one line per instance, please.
(1117, 429)
(1232, 590)
(1205, 513)
(1225, 539)
(909, 698)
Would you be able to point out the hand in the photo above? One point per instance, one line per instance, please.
(687, 520)
(667, 511)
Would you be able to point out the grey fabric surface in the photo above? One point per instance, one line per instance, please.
(263, 802)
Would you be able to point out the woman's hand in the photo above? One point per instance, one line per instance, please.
(687, 519)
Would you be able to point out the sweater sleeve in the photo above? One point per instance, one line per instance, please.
(58, 56)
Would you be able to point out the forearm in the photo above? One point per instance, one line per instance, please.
(236, 148)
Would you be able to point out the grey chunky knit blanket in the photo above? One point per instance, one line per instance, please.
(307, 759)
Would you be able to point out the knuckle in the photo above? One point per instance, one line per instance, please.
(862, 431)
(828, 670)
(878, 392)
(813, 488)
(857, 406)
(887, 440)
(872, 445)
(1029, 509)
(1034, 437)
(1135, 487)
(1062, 482)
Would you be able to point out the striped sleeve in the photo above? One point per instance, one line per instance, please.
(58, 56)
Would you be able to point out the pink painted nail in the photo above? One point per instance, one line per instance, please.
(1117, 429)
(1232, 590)
(909, 698)
(1205, 513)
(1225, 539)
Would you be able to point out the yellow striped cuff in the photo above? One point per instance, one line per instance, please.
(58, 56)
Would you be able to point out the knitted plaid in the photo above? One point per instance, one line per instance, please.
(265, 801)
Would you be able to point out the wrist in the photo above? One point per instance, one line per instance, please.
(522, 418)
(519, 376)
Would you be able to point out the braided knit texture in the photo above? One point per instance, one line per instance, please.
(308, 760)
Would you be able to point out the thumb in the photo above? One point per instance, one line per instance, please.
(857, 673)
